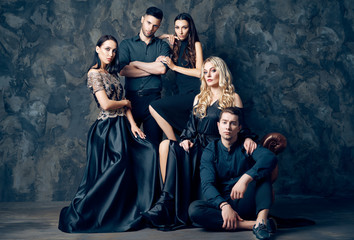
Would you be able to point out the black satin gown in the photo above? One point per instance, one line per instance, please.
(182, 181)
(120, 180)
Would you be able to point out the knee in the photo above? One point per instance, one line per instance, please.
(151, 109)
(164, 145)
(194, 211)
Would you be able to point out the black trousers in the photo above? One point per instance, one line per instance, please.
(140, 110)
(257, 197)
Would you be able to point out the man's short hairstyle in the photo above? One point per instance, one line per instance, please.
(234, 111)
(155, 12)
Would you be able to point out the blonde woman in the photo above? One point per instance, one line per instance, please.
(179, 162)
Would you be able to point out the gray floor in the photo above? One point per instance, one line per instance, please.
(334, 220)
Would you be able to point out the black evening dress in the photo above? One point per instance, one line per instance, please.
(121, 176)
(175, 109)
(182, 183)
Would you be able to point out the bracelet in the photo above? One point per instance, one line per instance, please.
(223, 205)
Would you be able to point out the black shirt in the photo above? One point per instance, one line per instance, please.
(134, 49)
(220, 169)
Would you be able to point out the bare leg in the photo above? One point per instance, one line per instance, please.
(164, 125)
(246, 225)
(163, 151)
(262, 216)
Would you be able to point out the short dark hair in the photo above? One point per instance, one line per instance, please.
(233, 110)
(155, 12)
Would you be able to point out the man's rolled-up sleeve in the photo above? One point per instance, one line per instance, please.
(265, 163)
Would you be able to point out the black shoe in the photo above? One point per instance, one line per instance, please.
(161, 214)
(261, 231)
(271, 225)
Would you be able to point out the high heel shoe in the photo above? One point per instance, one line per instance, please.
(162, 213)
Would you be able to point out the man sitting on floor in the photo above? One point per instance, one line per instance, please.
(237, 187)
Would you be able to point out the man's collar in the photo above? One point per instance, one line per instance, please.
(232, 147)
(137, 38)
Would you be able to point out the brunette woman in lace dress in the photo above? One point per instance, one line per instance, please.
(121, 175)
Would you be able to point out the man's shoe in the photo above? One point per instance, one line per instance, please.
(271, 225)
(261, 231)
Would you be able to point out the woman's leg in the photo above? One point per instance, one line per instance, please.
(163, 152)
(164, 125)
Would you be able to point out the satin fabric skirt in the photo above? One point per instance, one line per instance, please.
(120, 181)
(182, 182)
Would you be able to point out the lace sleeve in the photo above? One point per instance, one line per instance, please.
(95, 81)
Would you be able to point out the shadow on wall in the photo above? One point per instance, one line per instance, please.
(292, 64)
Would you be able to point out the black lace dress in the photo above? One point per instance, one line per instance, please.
(121, 176)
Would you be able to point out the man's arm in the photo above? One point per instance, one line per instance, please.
(154, 68)
(208, 177)
(157, 67)
(265, 163)
(240, 187)
(132, 71)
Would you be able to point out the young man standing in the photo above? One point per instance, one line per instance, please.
(236, 186)
(137, 62)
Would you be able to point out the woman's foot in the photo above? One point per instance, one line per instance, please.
(161, 214)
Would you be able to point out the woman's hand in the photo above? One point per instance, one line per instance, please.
(170, 37)
(249, 146)
(186, 144)
(127, 103)
(137, 131)
(160, 58)
(168, 61)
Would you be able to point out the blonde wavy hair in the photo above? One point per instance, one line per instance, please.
(227, 98)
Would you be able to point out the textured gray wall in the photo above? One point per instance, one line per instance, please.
(292, 62)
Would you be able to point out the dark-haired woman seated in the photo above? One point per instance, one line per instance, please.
(171, 113)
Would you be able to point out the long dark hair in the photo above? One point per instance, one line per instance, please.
(189, 53)
(112, 68)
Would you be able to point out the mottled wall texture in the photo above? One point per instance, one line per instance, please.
(292, 62)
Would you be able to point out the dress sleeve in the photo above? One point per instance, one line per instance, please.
(95, 82)
(190, 131)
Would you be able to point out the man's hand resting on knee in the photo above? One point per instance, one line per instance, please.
(230, 217)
